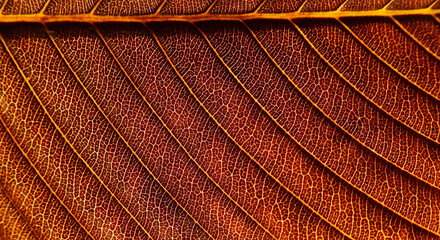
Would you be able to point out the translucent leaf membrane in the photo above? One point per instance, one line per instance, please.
(130, 7)
(239, 6)
(210, 147)
(186, 7)
(157, 149)
(280, 6)
(317, 5)
(13, 225)
(37, 205)
(129, 182)
(410, 61)
(22, 7)
(53, 157)
(324, 128)
(382, 86)
(359, 5)
(424, 30)
(37, 212)
(400, 4)
(290, 110)
(67, 7)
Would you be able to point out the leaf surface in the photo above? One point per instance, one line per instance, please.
(213, 119)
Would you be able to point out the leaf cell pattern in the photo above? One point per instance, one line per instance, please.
(214, 119)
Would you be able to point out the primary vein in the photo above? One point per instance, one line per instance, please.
(91, 18)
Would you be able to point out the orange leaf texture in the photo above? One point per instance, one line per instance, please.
(219, 119)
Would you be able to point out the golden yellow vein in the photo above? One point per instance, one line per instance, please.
(384, 61)
(436, 140)
(160, 119)
(273, 119)
(181, 78)
(92, 12)
(427, 49)
(160, 7)
(302, 6)
(3, 7)
(342, 5)
(388, 4)
(93, 100)
(366, 97)
(334, 69)
(288, 133)
(39, 174)
(259, 6)
(206, 16)
(436, 18)
(210, 7)
(14, 206)
(61, 132)
(44, 7)
(21, 149)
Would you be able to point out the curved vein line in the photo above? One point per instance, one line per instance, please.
(22, 150)
(414, 84)
(414, 38)
(20, 213)
(436, 18)
(368, 99)
(3, 7)
(61, 133)
(384, 61)
(189, 155)
(302, 6)
(388, 4)
(320, 110)
(44, 7)
(259, 6)
(436, 141)
(92, 12)
(342, 5)
(32, 164)
(365, 96)
(236, 143)
(82, 85)
(160, 7)
(206, 12)
(433, 4)
(128, 145)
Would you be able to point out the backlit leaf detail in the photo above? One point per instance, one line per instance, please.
(262, 119)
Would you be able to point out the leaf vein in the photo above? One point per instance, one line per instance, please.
(206, 12)
(181, 145)
(248, 154)
(205, 16)
(20, 213)
(384, 61)
(259, 6)
(62, 134)
(35, 168)
(414, 38)
(318, 108)
(44, 7)
(96, 104)
(92, 12)
(128, 145)
(160, 7)
(381, 109)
